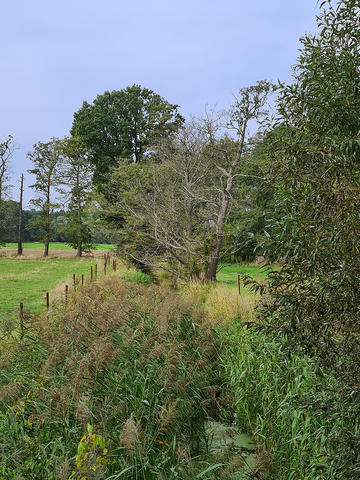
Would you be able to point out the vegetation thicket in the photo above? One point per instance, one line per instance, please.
(121, 382)
(173, 208)
(166, 187)
(312, 302)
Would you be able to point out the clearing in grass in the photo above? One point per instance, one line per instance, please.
(228, 274)
(28, 280)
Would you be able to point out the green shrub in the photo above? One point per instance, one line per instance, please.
(139, 277)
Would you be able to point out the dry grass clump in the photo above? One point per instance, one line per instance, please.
(83, 412)
(132, 436)
(63, 469)
(10, 391)
(222, 304)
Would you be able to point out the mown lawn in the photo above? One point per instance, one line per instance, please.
(228, 274)
(28, 280)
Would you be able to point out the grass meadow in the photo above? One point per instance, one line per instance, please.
(28, 281)
(27, 278)
(228, 274)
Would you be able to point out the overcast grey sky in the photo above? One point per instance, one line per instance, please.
(55, 54)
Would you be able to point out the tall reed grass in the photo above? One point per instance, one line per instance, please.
(118, 384)
(222, 304)
(282, 401)
(121, 381)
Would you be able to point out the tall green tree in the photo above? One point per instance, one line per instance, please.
(314, 298)
(46, 161)
(76, 173)
(121, 125)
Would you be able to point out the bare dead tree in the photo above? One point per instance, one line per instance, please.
(20, 215)
(7, 149)
(248, 105)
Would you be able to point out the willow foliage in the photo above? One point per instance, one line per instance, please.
(314, 300)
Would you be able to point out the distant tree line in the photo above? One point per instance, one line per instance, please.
(9, 217)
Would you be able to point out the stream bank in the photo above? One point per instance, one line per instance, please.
(233, 449)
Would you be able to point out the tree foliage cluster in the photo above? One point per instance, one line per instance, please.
(172, 203)
(313, 300)
(122, 124)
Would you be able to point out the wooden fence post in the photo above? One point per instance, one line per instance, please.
(21, 318)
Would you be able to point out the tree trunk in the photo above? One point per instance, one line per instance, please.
(79, 220)
(47, 221)
(79, 249)
(214, 256)
(20, 216)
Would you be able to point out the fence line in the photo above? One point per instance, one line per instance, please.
(106, 261)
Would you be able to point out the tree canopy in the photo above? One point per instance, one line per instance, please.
(173, 207)
(121, 124)
(46, 161)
